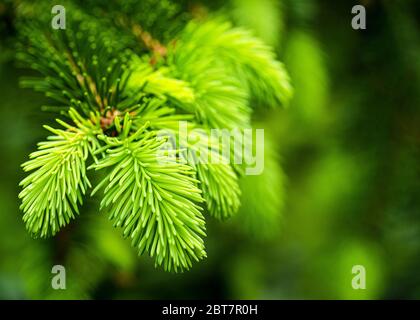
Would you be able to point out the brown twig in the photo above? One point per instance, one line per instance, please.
(158, 49)
(90, 83)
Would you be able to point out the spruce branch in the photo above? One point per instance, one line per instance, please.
(52, 193)
(154, 199)
(247, 57)
(82, 67)
(218, 179)
(220, 99)
(219, 182)
(117, 95)
(159, 114)
(158, 82)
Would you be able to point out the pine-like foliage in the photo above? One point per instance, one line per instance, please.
(153, 199)
(117, 85)
(53, 191)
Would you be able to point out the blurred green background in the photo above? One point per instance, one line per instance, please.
(349, 147)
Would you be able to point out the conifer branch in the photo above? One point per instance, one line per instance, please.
(52, 193)
(154, 199)
(117, 94)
